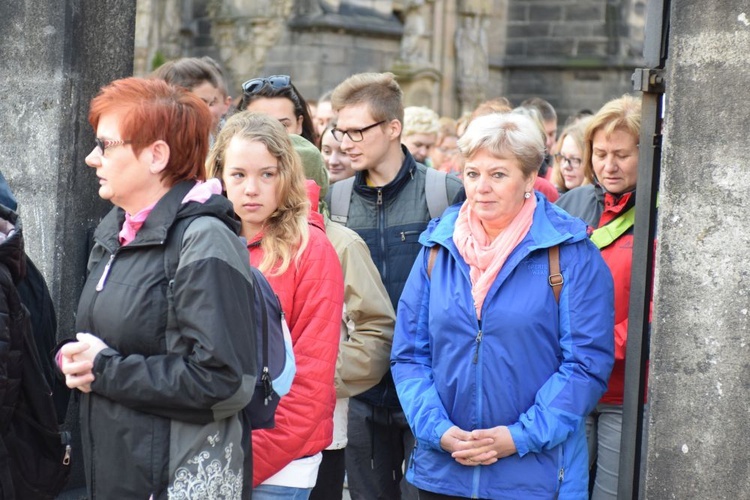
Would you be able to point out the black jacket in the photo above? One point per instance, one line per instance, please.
(162, 416)
(12, 333)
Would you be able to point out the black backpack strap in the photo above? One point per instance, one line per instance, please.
(341, 197)
(265, 374)
(173, 246)
(436, 192)
(176, 231)
(172, 250)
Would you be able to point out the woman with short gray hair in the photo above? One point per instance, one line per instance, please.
(502, 343)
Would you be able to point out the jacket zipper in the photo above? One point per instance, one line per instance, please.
(476, 477)
(413, 452)
(105, 273)
(478, 342)
(65, 438)
(100, 285)
(404, 234)
(561, 471)
(381, 230)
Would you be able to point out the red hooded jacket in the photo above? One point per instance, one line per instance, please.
(311, 291)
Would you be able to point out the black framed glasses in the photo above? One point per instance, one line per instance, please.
(104, 144)
(573, 162)
(253, 86)
(356, 135)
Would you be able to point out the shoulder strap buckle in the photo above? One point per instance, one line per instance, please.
(555, 278)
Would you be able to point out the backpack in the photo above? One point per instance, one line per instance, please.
(275, 357)
(35, 296)
(38, 452)
(435, 190)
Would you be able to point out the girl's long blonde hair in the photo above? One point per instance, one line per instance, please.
(285, 232)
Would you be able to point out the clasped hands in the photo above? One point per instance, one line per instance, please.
(478, 447)
(77, 361)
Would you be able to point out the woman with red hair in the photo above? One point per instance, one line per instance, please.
(165, 354)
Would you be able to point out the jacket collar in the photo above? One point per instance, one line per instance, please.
(551, 226)
(405, 174)
(166, 211)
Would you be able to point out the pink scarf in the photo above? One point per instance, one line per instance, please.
(201, 192)
(486, 257)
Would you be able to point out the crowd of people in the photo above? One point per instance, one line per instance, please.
(456, 291)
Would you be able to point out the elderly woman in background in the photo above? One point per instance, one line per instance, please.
(165, 364)
(420, 132)
(495, 373)
(445, 155)
(608, 206)
(570, 170)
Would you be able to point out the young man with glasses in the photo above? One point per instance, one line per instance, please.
(388, 207)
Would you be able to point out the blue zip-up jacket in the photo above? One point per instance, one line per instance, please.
(531, 364)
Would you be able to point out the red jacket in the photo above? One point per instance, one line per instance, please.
(619, 258)
(312, 296)
(598, 208)
(546, 188)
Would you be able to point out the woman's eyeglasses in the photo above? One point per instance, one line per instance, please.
(253, 86)
(573, 162)
(103, 144)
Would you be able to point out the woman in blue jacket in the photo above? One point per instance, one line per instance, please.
(495, 374)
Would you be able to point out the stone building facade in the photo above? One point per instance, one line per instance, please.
(447, 54)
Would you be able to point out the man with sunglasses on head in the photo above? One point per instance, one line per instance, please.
(388, 206)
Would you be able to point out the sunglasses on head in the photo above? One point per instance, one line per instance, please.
(276, 81)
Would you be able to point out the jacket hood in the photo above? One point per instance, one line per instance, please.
(165, 213)
(550, 226)
(11, 244)
(313, 193)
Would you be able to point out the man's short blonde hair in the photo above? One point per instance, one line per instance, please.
(379, 91)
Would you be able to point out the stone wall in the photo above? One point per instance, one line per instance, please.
(700, 349)
(55, 57)
(575, 53)
(447, 54)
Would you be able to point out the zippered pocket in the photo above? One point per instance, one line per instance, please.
(560, 470)
(413, 452)
(409, 235)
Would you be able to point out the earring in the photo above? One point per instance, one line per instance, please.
(527, 195)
